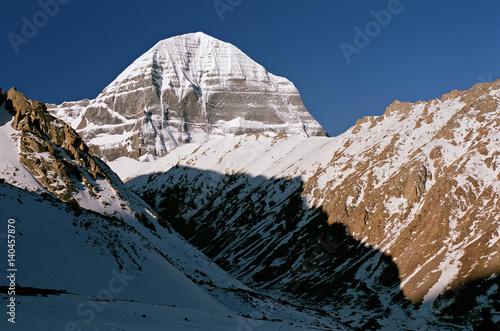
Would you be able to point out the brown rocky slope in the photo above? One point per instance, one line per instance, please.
(420, 184)
(429, 197)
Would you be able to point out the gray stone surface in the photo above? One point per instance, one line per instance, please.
(186, 89)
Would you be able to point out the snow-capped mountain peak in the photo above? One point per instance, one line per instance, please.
(187, 89)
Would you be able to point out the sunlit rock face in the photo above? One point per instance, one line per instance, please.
(187, 89)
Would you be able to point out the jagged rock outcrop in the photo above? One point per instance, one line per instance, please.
(51, 149)
(186, 89)
(45, 155)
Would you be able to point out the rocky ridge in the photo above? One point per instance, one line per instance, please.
(424, 191)
(61, 163)
(51, 149)
(418, 184)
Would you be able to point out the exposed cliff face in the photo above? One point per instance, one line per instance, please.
(186, 89)
(419, 184)
(51, 149)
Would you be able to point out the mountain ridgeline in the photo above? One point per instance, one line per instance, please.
(418, 184)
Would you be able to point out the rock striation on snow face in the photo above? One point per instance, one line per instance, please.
(186, 89)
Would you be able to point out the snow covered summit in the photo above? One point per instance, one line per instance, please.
(187, 89)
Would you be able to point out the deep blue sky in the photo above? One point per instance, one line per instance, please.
(429, 47)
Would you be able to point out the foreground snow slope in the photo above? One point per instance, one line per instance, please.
(65, 247)
(121, 270)
(47, 313)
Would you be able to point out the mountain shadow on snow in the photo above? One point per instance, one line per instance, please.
(261, 231)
